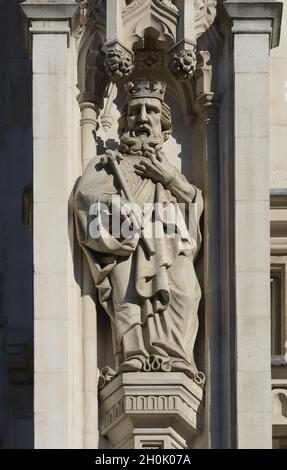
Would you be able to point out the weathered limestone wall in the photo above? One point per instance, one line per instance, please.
(278, 109)
(256, 27)
(58, 405)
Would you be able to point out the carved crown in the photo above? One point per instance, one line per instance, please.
(143, 88)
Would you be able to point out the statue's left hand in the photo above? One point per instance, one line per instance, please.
(156, 168)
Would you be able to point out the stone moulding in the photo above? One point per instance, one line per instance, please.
(257, 10)
(145, 401)
(49, 9)
(143, 404)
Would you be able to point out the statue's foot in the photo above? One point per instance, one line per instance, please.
(133, 364)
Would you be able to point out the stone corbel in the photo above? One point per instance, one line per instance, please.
(183, 63)
(196, 16)
(119, 59)
(183, 53)
(151, 410)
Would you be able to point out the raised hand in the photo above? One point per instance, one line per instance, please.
(156, 168)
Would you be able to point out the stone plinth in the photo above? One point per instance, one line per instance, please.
(151, 410)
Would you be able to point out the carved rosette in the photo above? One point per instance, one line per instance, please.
(183, 63)
(118, 62)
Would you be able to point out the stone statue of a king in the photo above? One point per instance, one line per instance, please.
(137, 220)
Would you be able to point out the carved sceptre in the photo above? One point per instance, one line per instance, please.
(112, 158)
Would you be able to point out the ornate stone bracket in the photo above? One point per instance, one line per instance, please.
(183, 63)
(118, 61)
(151, 409)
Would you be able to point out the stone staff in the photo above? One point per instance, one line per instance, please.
(112, 158)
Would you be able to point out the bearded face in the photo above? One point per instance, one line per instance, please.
(143, 134)
(144, 117)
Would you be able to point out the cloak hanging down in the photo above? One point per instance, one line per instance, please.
(159, 293)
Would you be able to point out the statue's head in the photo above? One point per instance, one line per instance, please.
(146, 117)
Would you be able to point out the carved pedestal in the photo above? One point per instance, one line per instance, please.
(151, 410)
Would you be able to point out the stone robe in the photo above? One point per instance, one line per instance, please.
(160, 294)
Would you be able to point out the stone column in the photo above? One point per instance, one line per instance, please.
(88, 127)
(256, 27)
(55, 304)
(212, 264)
(89, 323)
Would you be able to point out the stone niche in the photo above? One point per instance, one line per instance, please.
(122, 43)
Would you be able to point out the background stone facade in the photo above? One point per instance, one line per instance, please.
(16, 265)
(16, 253)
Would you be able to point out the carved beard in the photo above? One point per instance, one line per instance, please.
(141, 145)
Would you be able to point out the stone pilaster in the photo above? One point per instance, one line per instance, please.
(55, 298)
(255, 28)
